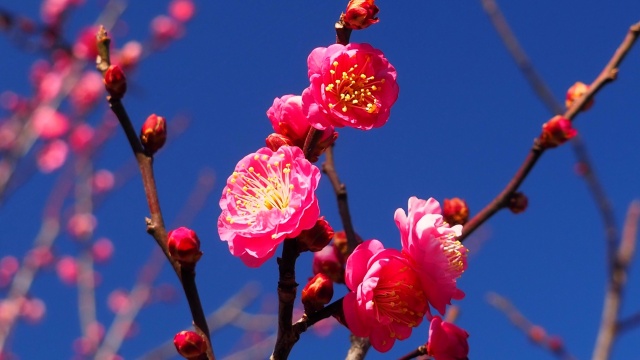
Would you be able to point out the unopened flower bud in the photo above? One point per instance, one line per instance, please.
(316, 238)
(360, 14)
(556, 132)
(329, 261)
(455, 211)
(275, 141)
(184, 246)
(555, 344)
(190, 344)
(154, 133)
(575, 92)
(537, 334)
(317, 293)
(341, 243)
(518, 203)
(115, 82)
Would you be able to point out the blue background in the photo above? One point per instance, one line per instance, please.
(463, 123)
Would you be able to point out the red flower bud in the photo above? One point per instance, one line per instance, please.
(537, 334)
(341, 244)
(360, 14)
(575, 92)
(275, 141)
(115, 82)
(518, 203)
(455, 211)
(190, 344)
(556, 132)
(317, 293)
(555, 344)
(329, 261)
(316, 238)
(154, 133)
(184, 246)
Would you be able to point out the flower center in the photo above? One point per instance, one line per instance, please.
(265, 188)
(399, 297)
(354, 89)
(455, 254)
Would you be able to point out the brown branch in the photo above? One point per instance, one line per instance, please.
(340, 189)
(155, 224)
(309, 320)
(607, 75)
(287, 288)
(617, 282)
(628, 323)
(139, 294)
(359, 348)
(421, 350)
(231, 312)
(546, 96)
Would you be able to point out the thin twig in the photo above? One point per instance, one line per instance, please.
(340, 189)
(617, 281)
(607, 75)
(628, 323)
(419, 351)
(155, 224)
(543, 92)
(522, 323)
(230, 313)
(140, 292)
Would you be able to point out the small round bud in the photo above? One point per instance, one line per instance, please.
(556, 132)
(329, 261)
(184, 246)
(341, 243)
(360, 14)
(275, 141)
(537, 334)
(455, 211)
(153, 133)
(317, 293)
(115, 82)
(316, 238)
(555, 344)
(190, 344)
(518, 203)
(575, 92)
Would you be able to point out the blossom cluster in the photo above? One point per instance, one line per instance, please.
(270, 196)
(392, 291)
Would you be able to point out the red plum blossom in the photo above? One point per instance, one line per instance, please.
(433, 250)
(386, 300)
(352, 85)
(269, 197)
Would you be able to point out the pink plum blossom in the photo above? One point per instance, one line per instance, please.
(386, 299)
(52, 156)
(447, 341)
(432, 247)
(352, 85)
(49, 123)
(287, 119)
(269, 197)
(87, 91)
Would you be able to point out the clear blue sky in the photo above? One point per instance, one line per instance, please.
(464, 121)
